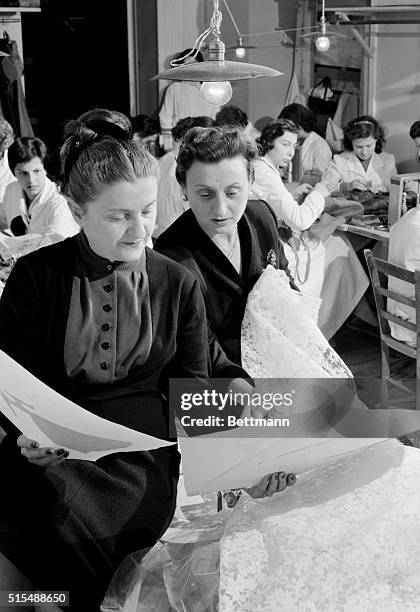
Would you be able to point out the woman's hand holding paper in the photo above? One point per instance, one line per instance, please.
(42, 457)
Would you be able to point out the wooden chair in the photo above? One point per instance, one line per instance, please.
(379, 272)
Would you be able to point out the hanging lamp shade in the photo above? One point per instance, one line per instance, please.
(216, 70)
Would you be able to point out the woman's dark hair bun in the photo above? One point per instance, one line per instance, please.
(93, 126)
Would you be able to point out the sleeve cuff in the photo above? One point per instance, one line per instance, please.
(321, 189)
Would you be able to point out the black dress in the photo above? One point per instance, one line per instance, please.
(80, 519)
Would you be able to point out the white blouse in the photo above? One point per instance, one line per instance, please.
(269, 187)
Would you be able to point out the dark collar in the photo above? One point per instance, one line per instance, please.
(99, 267)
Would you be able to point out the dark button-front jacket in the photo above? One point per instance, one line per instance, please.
(33, 319)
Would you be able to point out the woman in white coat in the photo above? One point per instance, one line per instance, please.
(32, 204)
(362, 165)
(315, 151)
(277, 145)
(325, 268)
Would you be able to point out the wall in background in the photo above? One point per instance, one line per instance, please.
(396, 93)
(267, 96)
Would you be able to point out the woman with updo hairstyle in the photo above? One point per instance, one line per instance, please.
(104, 321)
(315, 152)
(277, 145)
(363, 166)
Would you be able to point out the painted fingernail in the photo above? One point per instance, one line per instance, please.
(49, 451)
(66, 454)
(34, 444)
(291, 479)
(60, 452)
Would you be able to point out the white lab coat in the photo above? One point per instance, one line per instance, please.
(327, 269)
(404, 251)
(315, 153)
(347, 167)
(48, 214)
(182, 99)
(268, 186)
(170, 202)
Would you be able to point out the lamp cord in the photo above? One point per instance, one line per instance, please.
(214, 28)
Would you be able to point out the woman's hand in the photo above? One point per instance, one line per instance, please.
(301, 190)
(360, 185)
(42, 457)
(270, 484)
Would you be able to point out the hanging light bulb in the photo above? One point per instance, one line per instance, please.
(240, 50)
(216, 92)
(322, 42)
(216, 73)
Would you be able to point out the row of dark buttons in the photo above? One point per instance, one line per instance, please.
(106, 326)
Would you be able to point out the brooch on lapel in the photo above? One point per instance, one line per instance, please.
(271, 258)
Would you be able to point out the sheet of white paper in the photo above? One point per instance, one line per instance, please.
(231, 459)
(182, 497)
(44, 415)
(213, 464)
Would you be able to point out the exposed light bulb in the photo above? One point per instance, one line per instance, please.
(216, 92)
(240, 52)
(322, 43)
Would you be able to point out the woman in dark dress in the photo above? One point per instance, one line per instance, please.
(225, 239)
(104, 321)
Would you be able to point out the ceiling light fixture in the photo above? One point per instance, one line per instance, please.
(322, 42)
(215, 74)
(240, 50)
(322, 37)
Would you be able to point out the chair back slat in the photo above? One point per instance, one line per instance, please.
(392, 270)
(402, 299)
(401, 347)
(398, 321)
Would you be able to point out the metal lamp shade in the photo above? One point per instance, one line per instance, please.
(217, 71)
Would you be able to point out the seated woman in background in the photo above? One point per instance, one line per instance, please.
(277, 145)
(315, 152)
(225, 239)
(146, 132)
(325, 267)
(363, 165)
(32, 204)
(170, 199)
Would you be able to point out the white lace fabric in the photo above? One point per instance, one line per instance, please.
(280, 338)
(346, 538)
